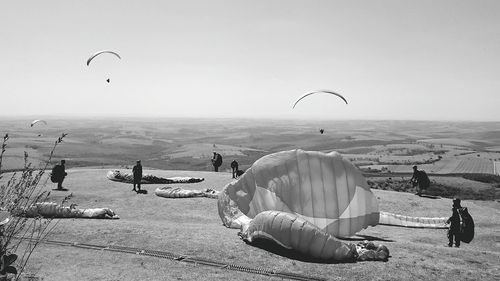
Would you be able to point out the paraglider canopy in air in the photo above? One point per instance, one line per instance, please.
(37, 121)
(101, 52)
(317, 92)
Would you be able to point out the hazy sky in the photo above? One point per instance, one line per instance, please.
(429, 60)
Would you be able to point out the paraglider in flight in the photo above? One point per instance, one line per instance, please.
(101, 52)
(37, 121)
(321, 91)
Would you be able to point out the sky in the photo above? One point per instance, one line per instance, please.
(391, 59)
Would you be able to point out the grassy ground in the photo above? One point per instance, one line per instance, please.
(192, 227)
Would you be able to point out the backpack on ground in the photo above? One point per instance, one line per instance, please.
(466, 225)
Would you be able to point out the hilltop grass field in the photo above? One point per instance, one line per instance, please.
(462, 159)
(191, 227)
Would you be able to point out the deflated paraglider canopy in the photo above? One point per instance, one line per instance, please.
(318, 92)
(322, 188)
(301, 200)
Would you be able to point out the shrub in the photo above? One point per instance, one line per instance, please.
(486, 178)
(19, 236)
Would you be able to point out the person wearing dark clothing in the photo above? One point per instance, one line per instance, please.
(58, 174)
(419, 180)
(137, 171)
(454, 221)
(234, 168)
(216, 161)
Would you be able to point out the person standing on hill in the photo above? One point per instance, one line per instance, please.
(137, 172)
(58, 174)
(419, 180)
(454, 220)
(234, 168)
(216, 161)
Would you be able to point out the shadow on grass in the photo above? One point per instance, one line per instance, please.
(359, 237)
(430, 196)
(276, 249)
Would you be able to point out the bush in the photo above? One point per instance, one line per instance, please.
(486, 178)
(435, 189)
(19, 236)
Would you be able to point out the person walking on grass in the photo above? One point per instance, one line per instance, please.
(419, 180)
(454, 221)
(58, 174)
(137, 172)
(216, 161)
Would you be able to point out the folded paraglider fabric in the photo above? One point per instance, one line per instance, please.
(293, 232)
(177, 192)
(54, 210)
(322, 188)
(407, 221)
(302, 200)
(150, 179)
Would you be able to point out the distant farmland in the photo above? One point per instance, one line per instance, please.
(451, 166)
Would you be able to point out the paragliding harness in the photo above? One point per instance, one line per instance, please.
(466, 225)
(217, 160)
(423, 180)
(55, 175)
(239, 173)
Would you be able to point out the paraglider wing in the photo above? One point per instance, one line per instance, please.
(37, 121)
(101, 52)
(323, 189)
(315, 92)
(301, 200)
(118, 176)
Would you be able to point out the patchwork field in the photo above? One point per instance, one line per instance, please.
(187, 144)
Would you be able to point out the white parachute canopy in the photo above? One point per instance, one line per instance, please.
(302, 200)
(37, 121)
(318, 92)
(102, 52)
(321, 188)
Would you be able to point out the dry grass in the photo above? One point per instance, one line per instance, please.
(192, 227)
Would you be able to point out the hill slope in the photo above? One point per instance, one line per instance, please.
(192, 227)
